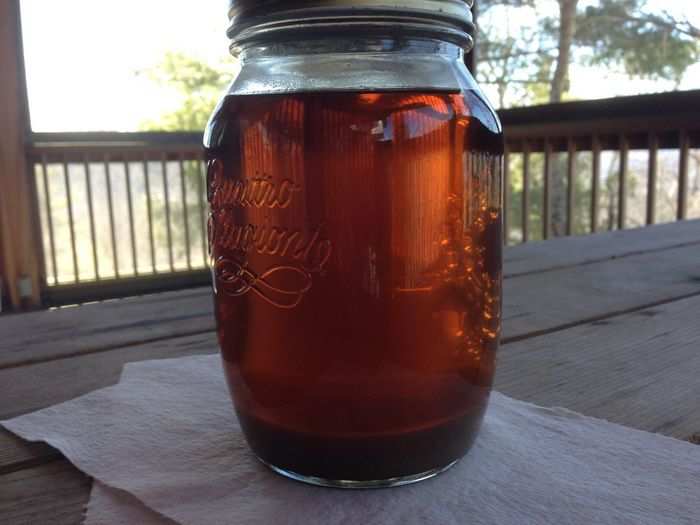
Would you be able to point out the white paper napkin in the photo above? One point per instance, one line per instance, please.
(166, 437)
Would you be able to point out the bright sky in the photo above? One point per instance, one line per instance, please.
(83, 58)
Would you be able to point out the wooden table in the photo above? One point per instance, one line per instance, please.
(608, 325)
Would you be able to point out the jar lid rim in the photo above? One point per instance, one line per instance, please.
(240, 7)
(256, 18)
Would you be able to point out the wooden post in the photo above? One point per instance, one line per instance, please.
(20, 243)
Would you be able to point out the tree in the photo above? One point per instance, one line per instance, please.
(646, 44)
(567, 28)
(534, 62)
(199, 86)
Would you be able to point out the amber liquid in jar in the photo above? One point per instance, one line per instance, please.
(356, 246)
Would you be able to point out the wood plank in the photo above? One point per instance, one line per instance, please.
(16, 454)
(571, 251)
(525, 211)
(611, 370)
(533, 303)
(547, 299)
(612, 356)
(622, 183)
(595, 182)
(541, 302)
(570, 193)
(682, 208)
(27, 388)
(547, 191)
(20, 240)
(54, 493)
(65, 379)
(639, 369)
(50, 334)
(131, 321)
(652, 171)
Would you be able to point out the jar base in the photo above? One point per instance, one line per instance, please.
(360, 484)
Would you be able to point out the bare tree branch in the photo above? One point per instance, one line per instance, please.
(519, 53)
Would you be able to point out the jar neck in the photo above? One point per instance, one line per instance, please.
(369, 44)
(366, 64)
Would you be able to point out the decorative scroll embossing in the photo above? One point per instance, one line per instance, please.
(281, 286)
(232, 239)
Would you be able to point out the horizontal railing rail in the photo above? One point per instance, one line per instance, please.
(659, 131)
(125, 213)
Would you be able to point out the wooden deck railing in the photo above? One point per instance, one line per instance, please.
(121, 213)
(124, 213)
(668, 122)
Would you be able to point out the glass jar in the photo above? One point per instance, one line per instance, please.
(354, 181)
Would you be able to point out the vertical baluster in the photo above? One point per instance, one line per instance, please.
(547, 182)
(506, 193)
(168, 227)
(622, 197)
(132, 230)
(71, 223)
(149, 211)
(185, 214)
(682, 176)
(110, 208)
(91, 213)
(651, 178)
(36, 226)
(526, 192)
(595, 183)
(200, 201)
(570, 175)
(47, 199)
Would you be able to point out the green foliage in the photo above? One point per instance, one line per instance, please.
(618, 34)
(199, 86)
(647, 45)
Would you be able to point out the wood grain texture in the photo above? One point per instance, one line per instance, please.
(604, 353)
(55, 493)
(548, 301)
(571, 251)
(568, 368)
(20, 243)
(27, 388)
(533, 303)
(38, 336)
(16, 454)
(639, 369)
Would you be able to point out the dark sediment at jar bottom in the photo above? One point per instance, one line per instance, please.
(362, 458)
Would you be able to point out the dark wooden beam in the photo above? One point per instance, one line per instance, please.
(20, 241)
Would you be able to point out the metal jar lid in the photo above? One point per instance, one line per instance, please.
(278, 19)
